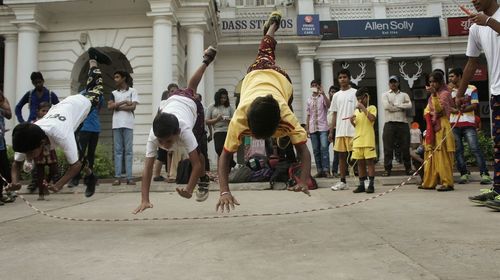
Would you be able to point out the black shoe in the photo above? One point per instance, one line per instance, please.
(370, 189)
(445, 189)
(99, 56)
(359, 189)
(484, 197)
(159, 179)
(74, 183)
(90, 181)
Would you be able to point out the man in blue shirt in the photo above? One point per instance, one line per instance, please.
(34, 97)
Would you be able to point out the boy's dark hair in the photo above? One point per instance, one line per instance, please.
(439, 70)
(335, 88)
(221, 91)
(345, 72)
(165, 95)
(315, 82)
(165, 125)
(362, 92)
(172, 85)
(36, 76)
(456, 71)
(128, 79)
(264, 116)
(44, 104)
(27, 137)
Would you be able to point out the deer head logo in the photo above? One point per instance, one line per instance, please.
(411, 80)
(358, 78)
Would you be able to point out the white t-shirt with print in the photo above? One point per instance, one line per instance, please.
(488, 40)
(124, 119)
(60, 124)
(186, 112)
(344, 102)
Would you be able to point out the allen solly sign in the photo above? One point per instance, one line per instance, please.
(380, 28)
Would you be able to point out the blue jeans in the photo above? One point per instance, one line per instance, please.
(123, 139)
(319, 140)
(470, 135)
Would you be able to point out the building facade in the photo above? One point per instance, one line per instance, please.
(162, 41)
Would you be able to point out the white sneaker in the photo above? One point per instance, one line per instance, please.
(339, 186)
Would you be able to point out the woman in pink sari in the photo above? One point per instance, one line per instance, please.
(439, 169)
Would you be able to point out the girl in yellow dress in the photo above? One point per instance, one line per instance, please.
(439, 169)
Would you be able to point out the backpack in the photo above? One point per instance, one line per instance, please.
(294, 177)
(240, 174)
(261, 175)
(280, 173)
(183, 171)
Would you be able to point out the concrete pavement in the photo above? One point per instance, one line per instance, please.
(407, 234)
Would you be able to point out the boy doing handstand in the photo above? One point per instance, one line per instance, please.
(264, 111)
(180, 122)
(57, 128)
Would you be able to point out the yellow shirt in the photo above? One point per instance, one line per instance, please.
(259, 83)
(365, 134)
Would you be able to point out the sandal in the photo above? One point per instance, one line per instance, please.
(209, 55)
(275, 17)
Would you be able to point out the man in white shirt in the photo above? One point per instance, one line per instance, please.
(123, 102)
(396, 128)
(484, 35)
(180, 122)
(343, 104)
(57, 129)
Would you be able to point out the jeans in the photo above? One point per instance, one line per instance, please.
(319, 140)
(470, 135)
(122, 140)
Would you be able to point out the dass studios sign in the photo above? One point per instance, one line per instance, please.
(384, 28)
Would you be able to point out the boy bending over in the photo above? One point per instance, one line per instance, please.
(264, 111)
(181, 122)
(57, 128)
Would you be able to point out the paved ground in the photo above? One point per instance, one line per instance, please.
(407, 234)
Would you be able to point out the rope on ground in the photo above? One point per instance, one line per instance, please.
(110, 220)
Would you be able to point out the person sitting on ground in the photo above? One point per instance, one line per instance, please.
(58, 127)
(180, 121)
(264, 111)
(363, 143)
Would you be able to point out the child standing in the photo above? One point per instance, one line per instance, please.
(48, 157)
(363, 144)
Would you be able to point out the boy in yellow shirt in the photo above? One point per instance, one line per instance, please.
(264, 111)
(363, 143)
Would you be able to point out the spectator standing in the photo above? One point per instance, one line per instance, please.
(439, 169)
(465, 127)
(218, 116)
(396, 129)
(123, 103)
(5, 113)
(335, 161)
(317, 128)
(87, 138)
(343, 105)
(34, 97)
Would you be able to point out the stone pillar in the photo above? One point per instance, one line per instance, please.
(307, 75)
(382, 71)
(27, 57)
(195, 48)
(327, 74)
(9, 86)
(208, 95)
(162, 58)
(437, 62)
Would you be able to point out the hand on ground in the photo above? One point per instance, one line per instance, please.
(225, 201)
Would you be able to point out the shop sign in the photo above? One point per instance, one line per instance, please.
(308, 25)
(459, 26)
(387, 28)
(233, 26)
(329, 29)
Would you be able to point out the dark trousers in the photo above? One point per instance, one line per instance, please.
(396, 133)
(495, 118)
(219, 139)
(87, 142)
(203, 148)
(4, 168)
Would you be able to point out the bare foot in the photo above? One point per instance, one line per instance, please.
(54, 189)
(13, 187)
